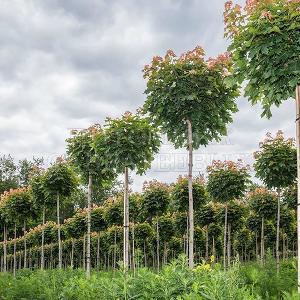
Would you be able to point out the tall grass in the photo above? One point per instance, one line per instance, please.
(175, 281)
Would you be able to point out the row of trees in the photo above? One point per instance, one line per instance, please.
(192, 100)
(230, 211)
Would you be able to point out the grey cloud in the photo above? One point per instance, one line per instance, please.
(66, 64)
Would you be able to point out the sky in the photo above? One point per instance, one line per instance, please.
(68, 64)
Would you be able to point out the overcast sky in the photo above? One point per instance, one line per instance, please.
(70, 63)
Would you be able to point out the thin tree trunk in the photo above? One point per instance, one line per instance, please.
(43, 239)
(256, 246)
(277, 231)
(126, 222)
(157, 243)
(15, 248)
(25, 246)
(206, 243)
(262, 240)
(298, 175)
(225, 237)
(88, 246)
(98, 252)
(84, 253)
(229, 245)
(133, 250)
(58, 233)
(213, 247)
(191, 204)
(72, 254)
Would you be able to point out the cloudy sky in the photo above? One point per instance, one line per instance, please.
(69, 63)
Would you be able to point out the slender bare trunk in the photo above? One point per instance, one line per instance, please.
(88, 246)
(225, 236)
(98, 252)
(15, 248)
(278, 230)
(133, 250)
(191, 204)
(229, 245)
(43, 240)
(72, 255)
(126, 222)
(262, 240)
(298, 175)
(58, 232)
(157, 243)
(25, 246)
(206, 243)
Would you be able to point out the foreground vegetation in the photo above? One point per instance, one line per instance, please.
(175, 281)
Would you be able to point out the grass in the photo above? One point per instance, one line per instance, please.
(175, 281)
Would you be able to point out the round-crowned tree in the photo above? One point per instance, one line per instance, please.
(17, 207)
(92, 166)
(265, 41)
(129, 143)
(227, 181)
(192, 100)
(156, 198)
(276, 165)
(59, 181)
(43, 201)
(263, 203)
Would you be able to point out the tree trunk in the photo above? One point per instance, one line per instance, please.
(58, 233)
(206, 243)
(15, 248)
(133, 250)
(277, 230)
(88, 245)
(225, 237)
(191, 204)
(98, 253)
(72, 254)
(229, 245)
(43, 240)
(157, 243)
(262, 240)
(126, 222)
(25, 246)
(298, 175)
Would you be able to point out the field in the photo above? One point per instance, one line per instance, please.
(175, 281)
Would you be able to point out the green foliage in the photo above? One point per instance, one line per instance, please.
(175, 281)
(263, 203)
(227, 180)
(289, 196)
(16, 205)
(180, 194)
(81, 149)
(276, 161)
(155, 199)
(265, 43)
(129, 141)
(8, 176)
(60, 179)
(190, 88)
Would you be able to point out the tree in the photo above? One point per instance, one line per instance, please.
(227, 181)
(60, 181)
(41, 200)
(192, 100)
(129, 143)
(8, 174)
(27, 168)
(276, 165)
(265, 49)
(18, 208)
(263, 203)
(156, 198)
(93, 169)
